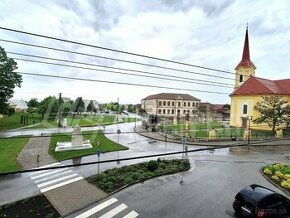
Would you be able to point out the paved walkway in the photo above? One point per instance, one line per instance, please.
(65, 189)
(35, 153)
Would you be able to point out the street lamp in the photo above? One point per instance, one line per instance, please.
(99, 154)
(249, 128)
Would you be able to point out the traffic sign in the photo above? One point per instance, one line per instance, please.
(118, 131)
(98, 153)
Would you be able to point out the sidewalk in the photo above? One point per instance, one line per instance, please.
(66, 191)
(159, 137)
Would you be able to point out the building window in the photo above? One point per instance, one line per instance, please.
(188, 104)
(178, 112)
(241, 78)
(183, 111)
(164, 111)
(172, 103)
(172, 111)
(159, 111)
(193, 104)
(184, 104)
(164, 103)
(168, 111)
(187, 111)
(159, 103)
(168, 103)
(245, 109)
(179, 104)
(193, 111)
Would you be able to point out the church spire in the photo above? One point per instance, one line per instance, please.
(246, 61)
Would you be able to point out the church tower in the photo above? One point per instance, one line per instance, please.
(245, 68)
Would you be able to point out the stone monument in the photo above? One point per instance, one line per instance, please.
(76, 143)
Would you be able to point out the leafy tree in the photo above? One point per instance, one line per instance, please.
(8, 80)
(91, 107)
(273, 110)
(79, 105)
(48, 106)
(130, 108)
(31, 110)
(33, 103)
(67, 106)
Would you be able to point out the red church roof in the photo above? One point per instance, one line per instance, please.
(246, 61)
(260, 86)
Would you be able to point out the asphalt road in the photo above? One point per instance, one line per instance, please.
(207, 190)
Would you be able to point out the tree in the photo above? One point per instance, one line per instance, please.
(91, 107)
(273, 110)
(31, 110)
(67, 106)
(79, 105)
(33, 103)
(130, 108)
(48, 106)
(8, 80)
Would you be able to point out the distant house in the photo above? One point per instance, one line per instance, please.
(214, 111)
(65, 99)
(18, 105)
(96, 104)
(171, 105)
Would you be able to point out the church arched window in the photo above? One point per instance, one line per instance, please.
(241, 78)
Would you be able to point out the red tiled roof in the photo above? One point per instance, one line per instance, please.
(260, 86)
(246, 61)
(171, 96)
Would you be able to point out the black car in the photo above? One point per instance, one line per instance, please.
(258, 201)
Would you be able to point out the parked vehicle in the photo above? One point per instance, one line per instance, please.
(259, 202)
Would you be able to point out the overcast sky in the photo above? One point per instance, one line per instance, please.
(209, 33)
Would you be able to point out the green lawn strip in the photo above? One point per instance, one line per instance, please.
(14, 121)
(36, 206)
(106, 145)
(116, 178)
(279, 174)
(10, 148)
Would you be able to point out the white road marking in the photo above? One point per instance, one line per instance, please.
(97, 208)
(57, 180)
(50, 165)
(115, 211)
(60, 184)
(48, 173)
(53, 176)
(132, 214)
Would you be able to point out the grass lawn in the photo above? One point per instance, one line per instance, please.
(106, 145)
(10, 148)
(113, 179)
(130, 119)
(13, 121)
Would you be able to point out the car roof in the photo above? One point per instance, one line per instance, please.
(256, 193)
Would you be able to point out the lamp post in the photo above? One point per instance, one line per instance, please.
(249, 128)
(98, 153)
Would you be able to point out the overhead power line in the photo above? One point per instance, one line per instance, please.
(182, 79)
(119, 60)
(121, 83)
(112, 50)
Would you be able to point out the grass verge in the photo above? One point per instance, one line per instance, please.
(106, 145)
(116, 178)
(10, 148)
(36, 206)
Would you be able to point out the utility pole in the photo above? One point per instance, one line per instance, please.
(249, 129)
(59, 112)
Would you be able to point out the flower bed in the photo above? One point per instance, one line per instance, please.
(279, 174)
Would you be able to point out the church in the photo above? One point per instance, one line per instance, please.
(249, 89)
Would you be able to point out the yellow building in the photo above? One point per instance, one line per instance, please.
(249, 90)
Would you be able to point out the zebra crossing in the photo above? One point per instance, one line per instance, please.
(107, 209)
(47, 180)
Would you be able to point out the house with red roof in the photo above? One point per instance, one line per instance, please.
(250, 89)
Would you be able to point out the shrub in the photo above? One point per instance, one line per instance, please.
(279, 174)
(162, 165)
(186, 164)
(267, 171)
(128, 180)
(285, 184)
(275, 177)
(135, 176)
(152, 165)
(286, 176)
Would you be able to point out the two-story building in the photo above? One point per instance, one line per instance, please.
(171, 105)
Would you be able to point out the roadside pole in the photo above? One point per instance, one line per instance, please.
(118, 155)
(98, 154)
